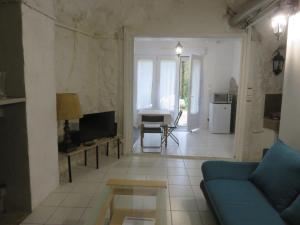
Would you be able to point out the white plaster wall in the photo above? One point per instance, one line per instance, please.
(38, 43)
(158, 18)
(169, 17)
(262, 82)
(98, 79)
(219, 67)
(76, 67)
(290, 123)
(90, 68)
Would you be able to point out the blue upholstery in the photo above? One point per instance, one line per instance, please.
(292, 213)
(278, 175)
(239, 202)
(227, 170)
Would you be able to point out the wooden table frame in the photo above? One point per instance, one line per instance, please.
(129, 187)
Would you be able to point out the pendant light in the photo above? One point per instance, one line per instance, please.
(179, 49)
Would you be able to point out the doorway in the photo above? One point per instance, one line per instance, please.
(208, 66)
(190, 91)
(184, 90)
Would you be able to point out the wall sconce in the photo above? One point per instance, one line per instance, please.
(279, 23)
(278, 63)
(179, 49)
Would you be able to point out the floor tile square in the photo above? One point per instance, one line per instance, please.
(176, 171)
(179, 180)
(208, 218)
(202, 204)
(181, 191)
(76, 200)
(87, 188)
(186, 218)
(193, 164)
(86, 216)
(40, 215)
(195, 181)
(194, 172)
(64, 187)
(184, 204)
(54, 199)
(197, 191)
(66, 216)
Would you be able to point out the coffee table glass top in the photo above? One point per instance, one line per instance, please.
(135, 199)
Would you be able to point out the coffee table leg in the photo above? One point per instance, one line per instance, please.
(97, 157)
(85, 158)
(69, 169)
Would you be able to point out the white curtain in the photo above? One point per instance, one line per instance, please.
(156, 81)
(167, 87)
(167, 84)
(144, 83)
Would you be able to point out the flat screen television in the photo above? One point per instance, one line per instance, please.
(97, 125)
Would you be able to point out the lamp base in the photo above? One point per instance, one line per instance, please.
(67, 145)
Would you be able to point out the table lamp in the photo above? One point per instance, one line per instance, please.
(68, 108)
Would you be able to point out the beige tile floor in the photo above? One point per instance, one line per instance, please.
(72, 203)
(200, 143)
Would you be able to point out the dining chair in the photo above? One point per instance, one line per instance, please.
(153, 125)
(171, 128)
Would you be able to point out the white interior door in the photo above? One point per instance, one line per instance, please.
(194, 92)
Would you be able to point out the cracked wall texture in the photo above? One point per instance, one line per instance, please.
(263, 81)
(92, 67)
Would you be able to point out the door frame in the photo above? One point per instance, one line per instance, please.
(240, 142)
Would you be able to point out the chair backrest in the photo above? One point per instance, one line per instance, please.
(178, 118)
(152, 119)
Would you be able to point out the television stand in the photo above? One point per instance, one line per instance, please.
(79, 150)
(93, 145)
(119, 141)
(89, 143)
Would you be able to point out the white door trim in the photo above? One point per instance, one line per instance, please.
(241, 125)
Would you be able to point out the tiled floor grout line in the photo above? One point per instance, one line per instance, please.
(147, 172)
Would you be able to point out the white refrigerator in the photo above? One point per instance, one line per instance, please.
(219, 118)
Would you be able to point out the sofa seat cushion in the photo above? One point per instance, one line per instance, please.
(238, 202)
(278, 175)
(292, 213)
(212, 170)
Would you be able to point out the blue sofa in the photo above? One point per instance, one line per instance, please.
(242, 193)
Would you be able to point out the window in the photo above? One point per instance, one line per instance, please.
(167, 95)
(144, 83)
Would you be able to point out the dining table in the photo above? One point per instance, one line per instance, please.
(158, 112)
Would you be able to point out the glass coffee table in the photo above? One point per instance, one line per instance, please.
(142, 202)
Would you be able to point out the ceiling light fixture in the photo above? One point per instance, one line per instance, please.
(179, 49)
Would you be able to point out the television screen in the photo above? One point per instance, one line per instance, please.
(97, 125)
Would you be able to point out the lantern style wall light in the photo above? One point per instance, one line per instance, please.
(278, 63)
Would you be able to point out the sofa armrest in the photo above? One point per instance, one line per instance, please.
(212, 170)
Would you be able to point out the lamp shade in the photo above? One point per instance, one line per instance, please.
(68, 106)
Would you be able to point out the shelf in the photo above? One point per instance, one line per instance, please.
(8, 101)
